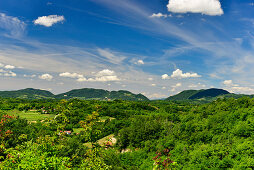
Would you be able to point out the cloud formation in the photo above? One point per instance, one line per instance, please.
(140, 62)
(71, 75)
(13, 26)
(47, 77)
(207, 7)
(48, 21)
(178, 74)
(7, 73)
(104, 76)
(9, 67)
(159, 15)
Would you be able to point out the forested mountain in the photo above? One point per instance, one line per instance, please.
(100, 94)
(86, 93)
(199, 94)
(28, 93)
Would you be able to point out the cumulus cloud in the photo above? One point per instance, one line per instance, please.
(104, 78)
(12, 25)
(177, 85)
(9, 67)
(159, 15)
(48, 21)
(150, 79)
(105, 72)
(179, 74)
(165, 76)
(101, 76)
(71, 75)
(140, 62)
(81, 79)
(207, 7)
(47, 77)
(229, 83)
(105, 75)
(7, 73)
(153, 85)
(235, 88)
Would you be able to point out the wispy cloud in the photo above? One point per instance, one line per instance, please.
(12, 26)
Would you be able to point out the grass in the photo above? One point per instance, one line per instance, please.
(31, 116)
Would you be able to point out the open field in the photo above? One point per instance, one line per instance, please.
(29, 115)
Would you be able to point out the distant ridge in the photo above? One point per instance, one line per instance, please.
(198, 94)
(28, 93)
(100, 94)
(85, 93)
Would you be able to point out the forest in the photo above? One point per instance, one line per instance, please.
(118, 134)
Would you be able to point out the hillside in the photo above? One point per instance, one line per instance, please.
(100, 94)
(86, 94)
(28, 93)
(198, 94)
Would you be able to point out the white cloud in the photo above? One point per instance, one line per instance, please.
(177, 85)
(153, 85)
(156, 96)
(179, 74)
(193, 86)
(71, 75)
(110, 56)
(140, 62)
(7, 73)
(48, 21)
(107, 78)
(105, 72)
(9, 67)
(13, 25)
(163, 88)
(159, 15)
(150, 79)
(165, 76)
(81, 79)
(46, 77)
(1, 65)
(228, 82)
(207, 7)
(31, 76)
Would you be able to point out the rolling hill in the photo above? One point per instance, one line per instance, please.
(199, 94)
(28, 93)
(86, 94)
(100, 94)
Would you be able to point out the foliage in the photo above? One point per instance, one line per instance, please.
(149, 134)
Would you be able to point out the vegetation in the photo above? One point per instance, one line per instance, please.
(93, 134)
(86, 93)
(206, 95)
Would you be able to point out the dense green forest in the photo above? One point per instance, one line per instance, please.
(85, 93)
(92, 134)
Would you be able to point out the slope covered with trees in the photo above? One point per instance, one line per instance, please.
(146, 135)
(199, 94)
(86, 93)
(28, 93)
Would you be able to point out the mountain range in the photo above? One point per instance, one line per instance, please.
(85, 93)
(100, 94)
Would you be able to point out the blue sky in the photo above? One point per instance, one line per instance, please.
(157, 48)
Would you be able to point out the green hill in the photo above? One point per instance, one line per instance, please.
(100, 94)
(28, 93)
(199, 94)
